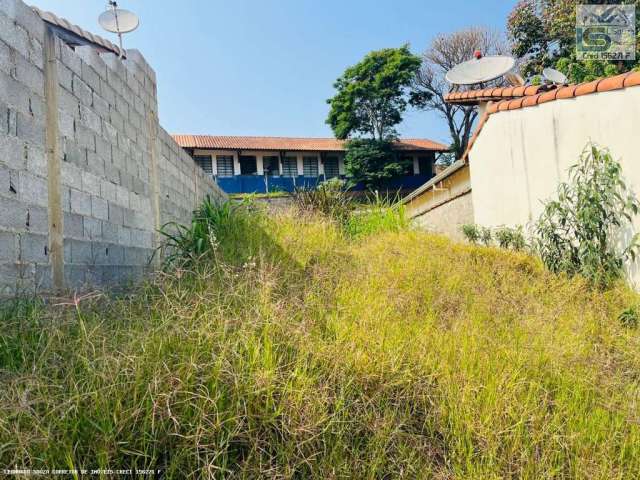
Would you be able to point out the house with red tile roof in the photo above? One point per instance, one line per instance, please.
(525, 141)
(263, 164)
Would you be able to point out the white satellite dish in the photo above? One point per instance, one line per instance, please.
(119, 21)
(554, 76)
(480, 70)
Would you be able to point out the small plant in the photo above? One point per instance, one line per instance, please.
(578, 233)
(471, 232)
(477, 234)
(510, 238)
(630, 317)
(186, 245)
(485, 236)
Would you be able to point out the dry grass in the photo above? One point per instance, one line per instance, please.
(393, 355)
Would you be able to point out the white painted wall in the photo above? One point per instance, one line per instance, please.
(521, 155)
(260, 154)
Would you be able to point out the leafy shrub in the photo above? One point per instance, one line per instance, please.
(329, 199)
(578, 232)
(477, 234)
(471, 232)
(510, 238)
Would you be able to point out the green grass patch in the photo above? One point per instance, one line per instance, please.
(395, 355)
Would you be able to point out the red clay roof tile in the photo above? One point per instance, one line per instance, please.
(547, 96)
(611, 83)
(586, 88)
(531, 100)
(566, 92)
(216, 142)
(519, 91)
(503, 105)
(632, 80)
(515, 104)
(532, 90)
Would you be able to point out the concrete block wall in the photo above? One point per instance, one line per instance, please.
(118, 175)
(23, 165)
(182, 182)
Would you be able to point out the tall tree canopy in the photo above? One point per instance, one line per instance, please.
(445, 52)
(373, 94)
(543, 34)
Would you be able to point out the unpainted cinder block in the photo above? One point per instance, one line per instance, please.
(34, 248)
(81, 252)
(8, 247)
(92, 228)
(33, 189)
(37, 220)
(82, 91)
(80, 202)
(73, 225)
(99, 208)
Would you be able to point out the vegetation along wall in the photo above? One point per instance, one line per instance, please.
(87, 175)
(521, 155)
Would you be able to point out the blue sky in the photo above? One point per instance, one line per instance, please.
(250, 67)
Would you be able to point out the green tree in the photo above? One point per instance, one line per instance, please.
(373, 94)
(372, 162)
(543, 34)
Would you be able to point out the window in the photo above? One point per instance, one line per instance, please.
(408, 165)
(289, 167)
(425, 164)
(225, 165)
(270, 165)
(248, 165)
(331, 168)
(204, 162)
(310, 166)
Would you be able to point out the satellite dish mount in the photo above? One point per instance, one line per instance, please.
(119, 21)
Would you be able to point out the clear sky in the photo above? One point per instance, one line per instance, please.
(266, 67)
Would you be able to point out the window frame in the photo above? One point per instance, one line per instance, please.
(285, 169)
(304, 165)
(274, 173)
(225, 157)
(337, 170)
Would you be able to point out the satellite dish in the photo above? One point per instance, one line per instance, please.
(119, 21)
(480, 70)
(554, 76)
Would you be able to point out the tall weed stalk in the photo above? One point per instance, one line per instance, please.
(580, 232)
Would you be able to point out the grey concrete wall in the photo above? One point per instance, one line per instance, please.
(447, 218)
(117, 173)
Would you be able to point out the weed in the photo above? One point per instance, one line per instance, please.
(577, 233)
(329, 198)
(510, 238)
(317, 356)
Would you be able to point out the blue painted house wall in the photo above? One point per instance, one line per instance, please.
(265, 184)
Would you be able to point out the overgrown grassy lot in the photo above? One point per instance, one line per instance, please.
(301, 351)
